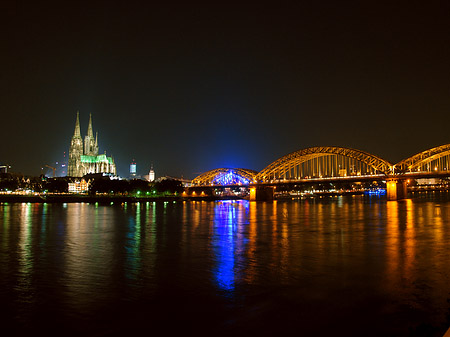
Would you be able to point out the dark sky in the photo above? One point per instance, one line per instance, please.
(192, 88)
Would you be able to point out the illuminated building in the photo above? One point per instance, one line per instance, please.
(4, 168)
(78, 186)
(151, 174)
(84, 157)
(133, 169)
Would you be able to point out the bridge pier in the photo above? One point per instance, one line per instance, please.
(261, 193)
(396, 189)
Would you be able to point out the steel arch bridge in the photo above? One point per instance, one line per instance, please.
(324, 161)
(225, 176)
(436, 159)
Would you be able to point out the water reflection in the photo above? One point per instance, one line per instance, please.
(5, 210)
(85, 254)
(133, 245)
(392, 243)
(44, 223)
(383, 263)
(25, 260)
(251, 254)
(227, 241)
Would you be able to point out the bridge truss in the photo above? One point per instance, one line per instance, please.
(436, 159)
(225, 176)
(331, 162)
(322, 162)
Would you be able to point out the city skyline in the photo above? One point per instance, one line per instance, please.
(192, 89)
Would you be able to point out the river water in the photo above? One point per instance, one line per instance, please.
(341, 266)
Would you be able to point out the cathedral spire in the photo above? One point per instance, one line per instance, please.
(77, 132)
(90, 133)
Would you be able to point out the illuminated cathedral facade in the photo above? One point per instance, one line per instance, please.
(84, 157)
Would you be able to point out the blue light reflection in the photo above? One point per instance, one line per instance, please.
(227, 242)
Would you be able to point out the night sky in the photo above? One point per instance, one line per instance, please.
(192, 87)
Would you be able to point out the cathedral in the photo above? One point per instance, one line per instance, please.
(84, 157)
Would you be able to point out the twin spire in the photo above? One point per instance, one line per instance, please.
(91, 146)
(83, 153)
(90, 132)
(77, 133)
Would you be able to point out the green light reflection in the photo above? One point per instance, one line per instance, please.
(25, 266)
(6, 224)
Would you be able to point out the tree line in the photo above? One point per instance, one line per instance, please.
(10, 182)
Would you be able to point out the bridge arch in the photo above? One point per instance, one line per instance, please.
(434, 159)
(225, 176)
(324, 161)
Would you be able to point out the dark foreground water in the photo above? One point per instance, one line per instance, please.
(343, 266)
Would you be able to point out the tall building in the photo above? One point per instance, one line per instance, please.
(84, 157)
(151, 174)
(133, 169)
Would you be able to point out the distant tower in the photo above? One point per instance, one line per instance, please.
(90, 144)
(151, 174)
(133, 169)
(75, 151)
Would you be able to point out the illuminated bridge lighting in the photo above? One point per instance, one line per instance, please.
(230, 178)
(225, 177)
(322, 163)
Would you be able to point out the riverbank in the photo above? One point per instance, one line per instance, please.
(108, 199)
(101, 199)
